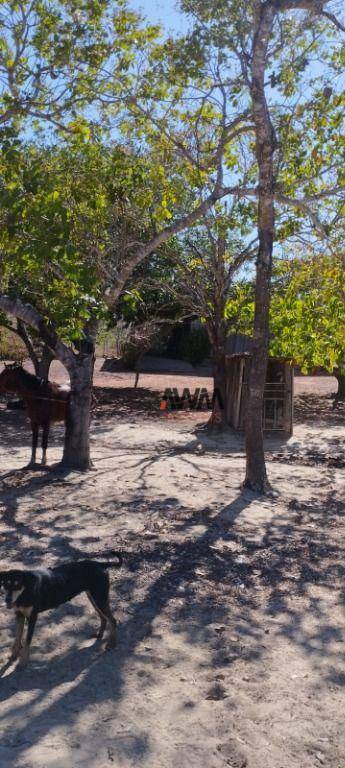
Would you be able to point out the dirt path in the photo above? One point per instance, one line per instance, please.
(232, 631)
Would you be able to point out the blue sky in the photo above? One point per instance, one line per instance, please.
(163, 11)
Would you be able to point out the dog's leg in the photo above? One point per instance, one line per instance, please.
(104, 610)
(100, 633)
(112, 639)
(100, 602)
(24, 655)
(45, 435)
(20, 621)
(34, 428)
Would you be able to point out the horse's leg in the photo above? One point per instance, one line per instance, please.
(34, 428)
(45, 435)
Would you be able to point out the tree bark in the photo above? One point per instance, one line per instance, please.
(217, 333)
(256, 475)
(44, 362)
(340, 377)
(76, 453)
(41, 363)
(219, 409)
(22, 332)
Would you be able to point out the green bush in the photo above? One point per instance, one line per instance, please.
(195, 347)
(11, 346)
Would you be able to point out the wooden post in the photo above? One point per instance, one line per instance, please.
(288, 399)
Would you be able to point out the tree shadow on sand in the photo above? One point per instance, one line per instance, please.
(211, 585)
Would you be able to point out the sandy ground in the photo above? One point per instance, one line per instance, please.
(232, 625)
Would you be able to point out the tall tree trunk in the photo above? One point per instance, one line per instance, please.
(43, 363)
(256, 476)
(76, 453)
(340, 377)
(219, 410)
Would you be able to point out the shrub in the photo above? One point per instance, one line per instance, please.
(195, 347)
(11, 346)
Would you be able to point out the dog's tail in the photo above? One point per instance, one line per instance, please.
(110, 563)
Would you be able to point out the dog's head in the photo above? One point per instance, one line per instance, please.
(13, 583)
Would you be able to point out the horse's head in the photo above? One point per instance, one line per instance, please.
(9, 377)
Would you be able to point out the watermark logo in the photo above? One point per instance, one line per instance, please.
(201, 400)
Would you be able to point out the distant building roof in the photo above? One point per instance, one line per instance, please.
(238, 344)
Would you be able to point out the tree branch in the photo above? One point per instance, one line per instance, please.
(173, 229)
(334, 20)
(313, 6)
(305, 203)
(24, 336)
(29, 315)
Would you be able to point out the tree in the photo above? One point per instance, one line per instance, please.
(122, 52)
(292, 115)
(205, 263)
(49, 65)
(55, 253)
(308, 314)
(50, 54)
(71, 215)
(81, 260)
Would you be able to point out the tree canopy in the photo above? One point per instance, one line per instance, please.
(307, 312)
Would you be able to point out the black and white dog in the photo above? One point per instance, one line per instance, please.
(31, 592)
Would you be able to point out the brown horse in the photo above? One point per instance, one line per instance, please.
(45, 402)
